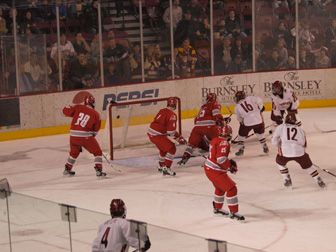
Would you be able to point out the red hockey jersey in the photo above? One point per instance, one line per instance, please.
(219, 150)
(209, 114)
(164, 123)
(85, 120)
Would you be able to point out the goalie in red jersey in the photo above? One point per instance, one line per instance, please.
(207, 123)
(84, 127)
(164, 125)
(216, 167)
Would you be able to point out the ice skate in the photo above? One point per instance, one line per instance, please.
(67, 171)
(240, 152)
(183, 161)
(99, 173)
(265, 149)
(321, 183)
(288, 182)
(168, 172)
(160, 168)
(219, 212)
(236, 216)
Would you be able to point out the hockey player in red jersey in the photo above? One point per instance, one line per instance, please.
(84, 127)
(216, 167)
(283, 99)
(164, 125)
(207, 123)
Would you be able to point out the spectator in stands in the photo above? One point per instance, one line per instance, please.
(67, 49)
(95, 50)
(188, 55)
(275, 62)
(177, 15)
(290, 63)
(29, 22)
(118, 54)
(63, 12)
(110, 35)
(237, 65)
(81, 46)
(279, 3)
(110, 76)
(282, 50)
(305, 62)
(3, 27)
(91, 18)
(239, 49)
(260, 63)
(81, 74)
(27, 5)
(195, 10)
(177, 63)
(281, 32)
(234, 25)
(200, 31)
(158, 55)
(218, 5)
(330, 35)
(135, 61)
(184, 28)
(33, 67)
(10, 26)
(323, 61)
(26, 82)
(223, 56)
(260, 47)
(151, 65)
(306, 36)
(44, 13)
(220, 28)
(292, 37)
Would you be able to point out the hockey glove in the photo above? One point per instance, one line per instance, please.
(147, 244)
(262, 109)
(233, 167)
(181, 140)
(278, 120)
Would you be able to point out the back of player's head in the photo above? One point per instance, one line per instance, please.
(277, 88)
(172, 102)
(118, 208)
(290, 119)
(240, 95)
(226, 132)
(89, 100)
(211, 97)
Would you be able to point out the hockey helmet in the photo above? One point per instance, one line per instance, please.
(118, 208)
(226, 132)
(277, 88)
(172, 102)
(290, 119)
(89, 100)
(240, 95)
(211, 96)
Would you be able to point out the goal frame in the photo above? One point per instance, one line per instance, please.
(115, 104)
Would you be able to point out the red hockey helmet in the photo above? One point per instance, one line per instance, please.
(240, 95)
(211, 96)
(172, 102)
(89, 100)
(118, 208)
(226, 132)
(277, 88)
(290, 119)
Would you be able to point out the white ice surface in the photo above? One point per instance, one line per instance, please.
(300, 220)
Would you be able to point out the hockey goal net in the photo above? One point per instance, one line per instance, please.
(127, 124)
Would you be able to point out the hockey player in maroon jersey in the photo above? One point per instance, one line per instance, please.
(216, 167)
(283, 99)
(207, 123)
(164, 125)
(291, 142)
(84, 127)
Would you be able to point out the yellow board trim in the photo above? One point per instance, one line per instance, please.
(22, 134)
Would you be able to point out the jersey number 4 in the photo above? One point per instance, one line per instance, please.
(104, 238)
(82, 119)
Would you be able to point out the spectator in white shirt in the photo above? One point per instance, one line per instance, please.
(177, 14)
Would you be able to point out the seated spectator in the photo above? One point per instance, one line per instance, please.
(275, 62)
(44, 11)
(29, 22)
(234, 25)
(239, 49)
(33, 67)
(281, 32)
(177, 63)
(3, 27)
(111, 79)
(151, 65)
(292, 36)
(220, 28)
(330, 35)
(135, 61)
(223, 56)
(95, 50)
(260, 47)
(67, 49)
(306, 36)
(177, 15)
(323, 61)
(290, 64)
(195, 10)
(184, 28)
(188, 56)
(305, 62)
(260, 63)
(282, 50)
(27, 5)
(158, 55)
(237, 65)
(9, 22)
(81, 46)
(91, 18)
(118, 54)
(110, 35)
(26, 82)
(218, 5)
(63, 12)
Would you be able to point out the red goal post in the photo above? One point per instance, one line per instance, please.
(153, 106)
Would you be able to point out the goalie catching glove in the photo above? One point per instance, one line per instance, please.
(147, 244)
(180, 139)
(233, 167)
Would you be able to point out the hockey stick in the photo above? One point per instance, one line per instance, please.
(322, 131)
(235, 142)
(229, 110)
(111, 164)
(325, 170)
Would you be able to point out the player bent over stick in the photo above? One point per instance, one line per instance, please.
(84, 127)
(291, 141)
(164, 125)
(216, 167)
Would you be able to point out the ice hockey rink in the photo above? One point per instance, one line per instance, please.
(277, 219)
